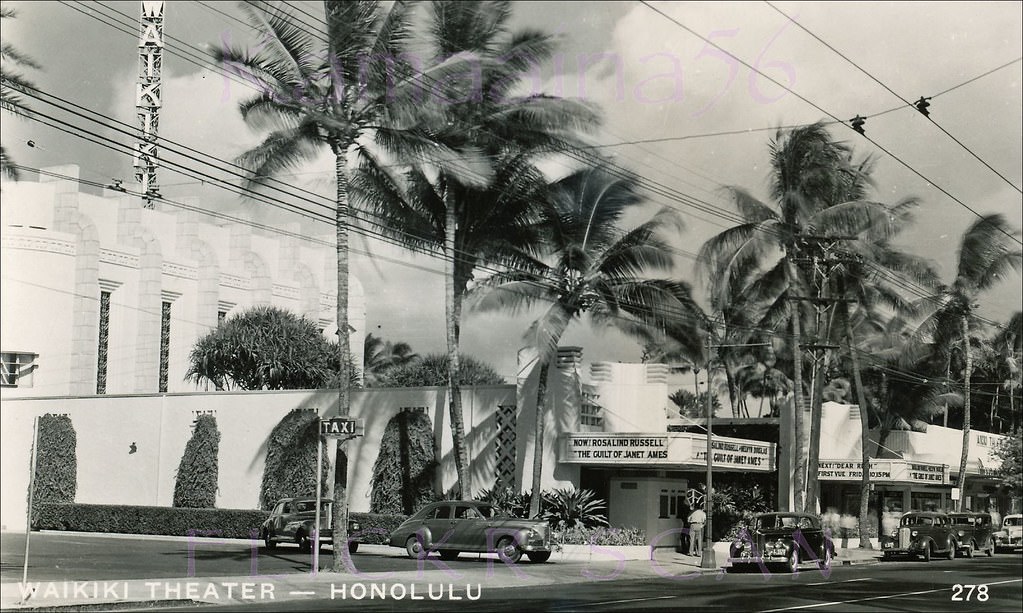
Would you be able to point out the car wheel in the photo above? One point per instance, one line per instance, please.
(969, 551)
(990, 549)
(353, 546)
(539, 557)
(415, 548)
(826, 560)
(885, 556)
(952, 548)
(927, 553)
(508, 550)
(448, 554)
(269, 542)
(792, 564)
(304, 544)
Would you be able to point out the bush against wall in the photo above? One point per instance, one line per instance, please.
(170, 521)
(195, 485)
(404, 469)
(56, 473)
(290, 468)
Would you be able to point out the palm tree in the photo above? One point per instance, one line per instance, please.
(478, 214)
(763, 255)
(380, 356)
(598, 269)
(987, 252)
(12, 84)
(340, 93)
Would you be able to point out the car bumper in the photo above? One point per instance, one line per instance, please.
(892, 549)
(771, 558)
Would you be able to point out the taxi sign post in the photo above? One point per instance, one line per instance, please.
(341, 428)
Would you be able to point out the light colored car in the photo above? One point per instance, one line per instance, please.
(453, 526)
(292, 521)
(1010, 537)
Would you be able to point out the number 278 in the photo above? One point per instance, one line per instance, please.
(964, 592)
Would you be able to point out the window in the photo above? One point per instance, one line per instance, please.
(165, 323)
(103, 343)
(443, 512)
(590, 414)
(16, 369)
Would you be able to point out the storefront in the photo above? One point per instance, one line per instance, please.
(648, 479)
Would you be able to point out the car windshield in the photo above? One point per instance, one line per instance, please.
(962, 521)
(307, 506)
(773, 522)
(916, 520)
(1013, 521)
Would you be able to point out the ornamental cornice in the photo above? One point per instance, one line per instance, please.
(118, 258)
(285, 291)
(38, 243)
(234, 281)
(180, 270)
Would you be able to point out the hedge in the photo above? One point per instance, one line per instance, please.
(176, 521)
(195, 485)
(56, 472)
(290, 467)
(601, 535)
(405, 464)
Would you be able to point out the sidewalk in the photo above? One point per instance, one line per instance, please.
(434, 580)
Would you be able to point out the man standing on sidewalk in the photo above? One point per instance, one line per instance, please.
(696, 521)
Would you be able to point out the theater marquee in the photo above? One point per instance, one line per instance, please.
(683, 450)
(899, 471)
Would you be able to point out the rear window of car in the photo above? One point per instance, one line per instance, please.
(914, 520)
(962, 521)
(1012, 521)
(442, 512)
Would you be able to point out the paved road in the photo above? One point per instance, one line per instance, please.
(895, 586)
(577, 586)
(81, 557)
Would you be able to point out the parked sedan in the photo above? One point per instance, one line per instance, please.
(782, 538)
(973, 533)
(921, 534)
(453, 526)
(293, 519)
(1010, 537)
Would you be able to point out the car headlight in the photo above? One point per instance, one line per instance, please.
(915, 533)
(895, 533)
(960, 533)
(354, 526)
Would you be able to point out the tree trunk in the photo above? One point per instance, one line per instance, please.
(452, 308)
(798, 457)
(814, 444)
(341, 221)
(968, 354)
(541, 401)
(861, 398)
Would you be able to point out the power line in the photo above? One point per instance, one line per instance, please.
(891, 91)
(822, 110)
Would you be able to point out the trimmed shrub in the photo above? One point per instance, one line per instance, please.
(56, 473)
(195, 485)
(404, 469)
(130, 519)
(564, 508)
(172, 521)
(602, 535)
(290, 468)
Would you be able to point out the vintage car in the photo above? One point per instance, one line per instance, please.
(1010, 537)
(781, 538)
(292, 521)
(921, 534)
(973, 533)
(454, 526)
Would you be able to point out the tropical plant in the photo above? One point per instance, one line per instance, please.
(478, 213)
(694, 405)
(571, 508)
(507, 501)
(12, 85)
(195, 484)
(1010, 452)
(349, 91)
(403, 471)
(432, 370)
(264, 348)
(379, 356)
(989, 249)
(290, 467)
(597, 269)
(56, 463)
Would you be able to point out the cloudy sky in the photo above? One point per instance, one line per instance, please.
(683, 115)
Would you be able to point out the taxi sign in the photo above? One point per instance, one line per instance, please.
(340, 427)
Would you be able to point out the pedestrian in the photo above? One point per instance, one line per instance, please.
(696, 521)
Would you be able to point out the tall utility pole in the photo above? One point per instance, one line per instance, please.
(822, 257)
(149, 98)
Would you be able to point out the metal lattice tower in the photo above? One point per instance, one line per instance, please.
(148, 97)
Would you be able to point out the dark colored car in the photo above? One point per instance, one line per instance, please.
(453, 526)
(782, 538)
(1010, 536)
(921, 534)
(974, 532)
(292, 521)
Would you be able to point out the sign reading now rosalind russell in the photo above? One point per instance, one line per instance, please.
(682, 449)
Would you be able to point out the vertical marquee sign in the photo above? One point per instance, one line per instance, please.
(148, 96)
